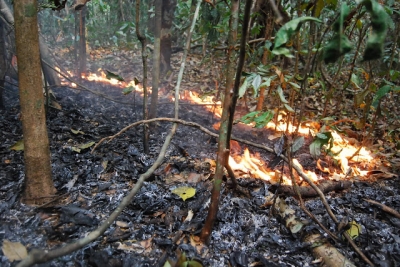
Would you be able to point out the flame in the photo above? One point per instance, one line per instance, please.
(351, 156)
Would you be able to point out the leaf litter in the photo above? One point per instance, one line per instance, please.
(155, 225)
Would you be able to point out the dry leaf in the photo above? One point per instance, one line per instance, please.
(14, 251)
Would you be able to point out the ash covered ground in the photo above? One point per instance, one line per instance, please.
(153, 227)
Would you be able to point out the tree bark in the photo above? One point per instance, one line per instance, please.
(50, 75)
(82, 41)
(143, 41)
(38, 182)
(224, 137)
(156, 60)
(3, 66)
(168, 10)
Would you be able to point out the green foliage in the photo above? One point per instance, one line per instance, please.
(320, 140)
(383, 91)
(260, 118)
(210, 16)
(285, 33)
(379, 18)
(339, 44)
(252, 80)
(111, 75)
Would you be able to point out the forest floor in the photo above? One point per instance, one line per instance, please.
(158, 223)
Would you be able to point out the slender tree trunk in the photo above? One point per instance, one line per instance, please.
(3, 66)
(38, 182)
(82, 41)
(50, 75)
(156, 60)
(168, 10)
(223, 141)
(143, 41)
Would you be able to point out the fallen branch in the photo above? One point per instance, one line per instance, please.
(319, 246)
(328, 254)
(308, 191)
(384, 207)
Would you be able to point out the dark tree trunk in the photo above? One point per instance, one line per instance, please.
(3, 66)
(38, 183)
(143, 41)
(168, 10)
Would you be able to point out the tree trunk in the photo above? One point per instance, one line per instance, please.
(3, 66)
(223, 140)
(50, 75)
(82, 42)
(168, 10)
(38, 183)
(143, 41)
(156, 61)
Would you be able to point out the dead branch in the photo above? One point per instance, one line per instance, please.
(384, 207)
(320, 247)
(308, 191)
(329, 255)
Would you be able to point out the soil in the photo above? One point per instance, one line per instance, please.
(154, 226)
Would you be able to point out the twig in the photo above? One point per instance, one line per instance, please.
(384, 207)
(41, 256)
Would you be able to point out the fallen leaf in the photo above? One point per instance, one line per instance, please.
(184, 192)
(18, 146)
(76, 131)
(14, 251)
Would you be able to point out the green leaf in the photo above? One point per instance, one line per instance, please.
(128, 90)
(256, 82)
(248, 118)
(294, 85)
(355, 80)
(243, 88)
(315, 148)
(76, 131)
(381, 93)
(82, 147)
(337, 47)
(321, 139)
(297, 144)
(18, 146)
(289, 108)
(111, 75)
(282, 51)
(355, 230)
(379, 21)
(281, 95)
(263, 119)
(285, 33)
(321, 136)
